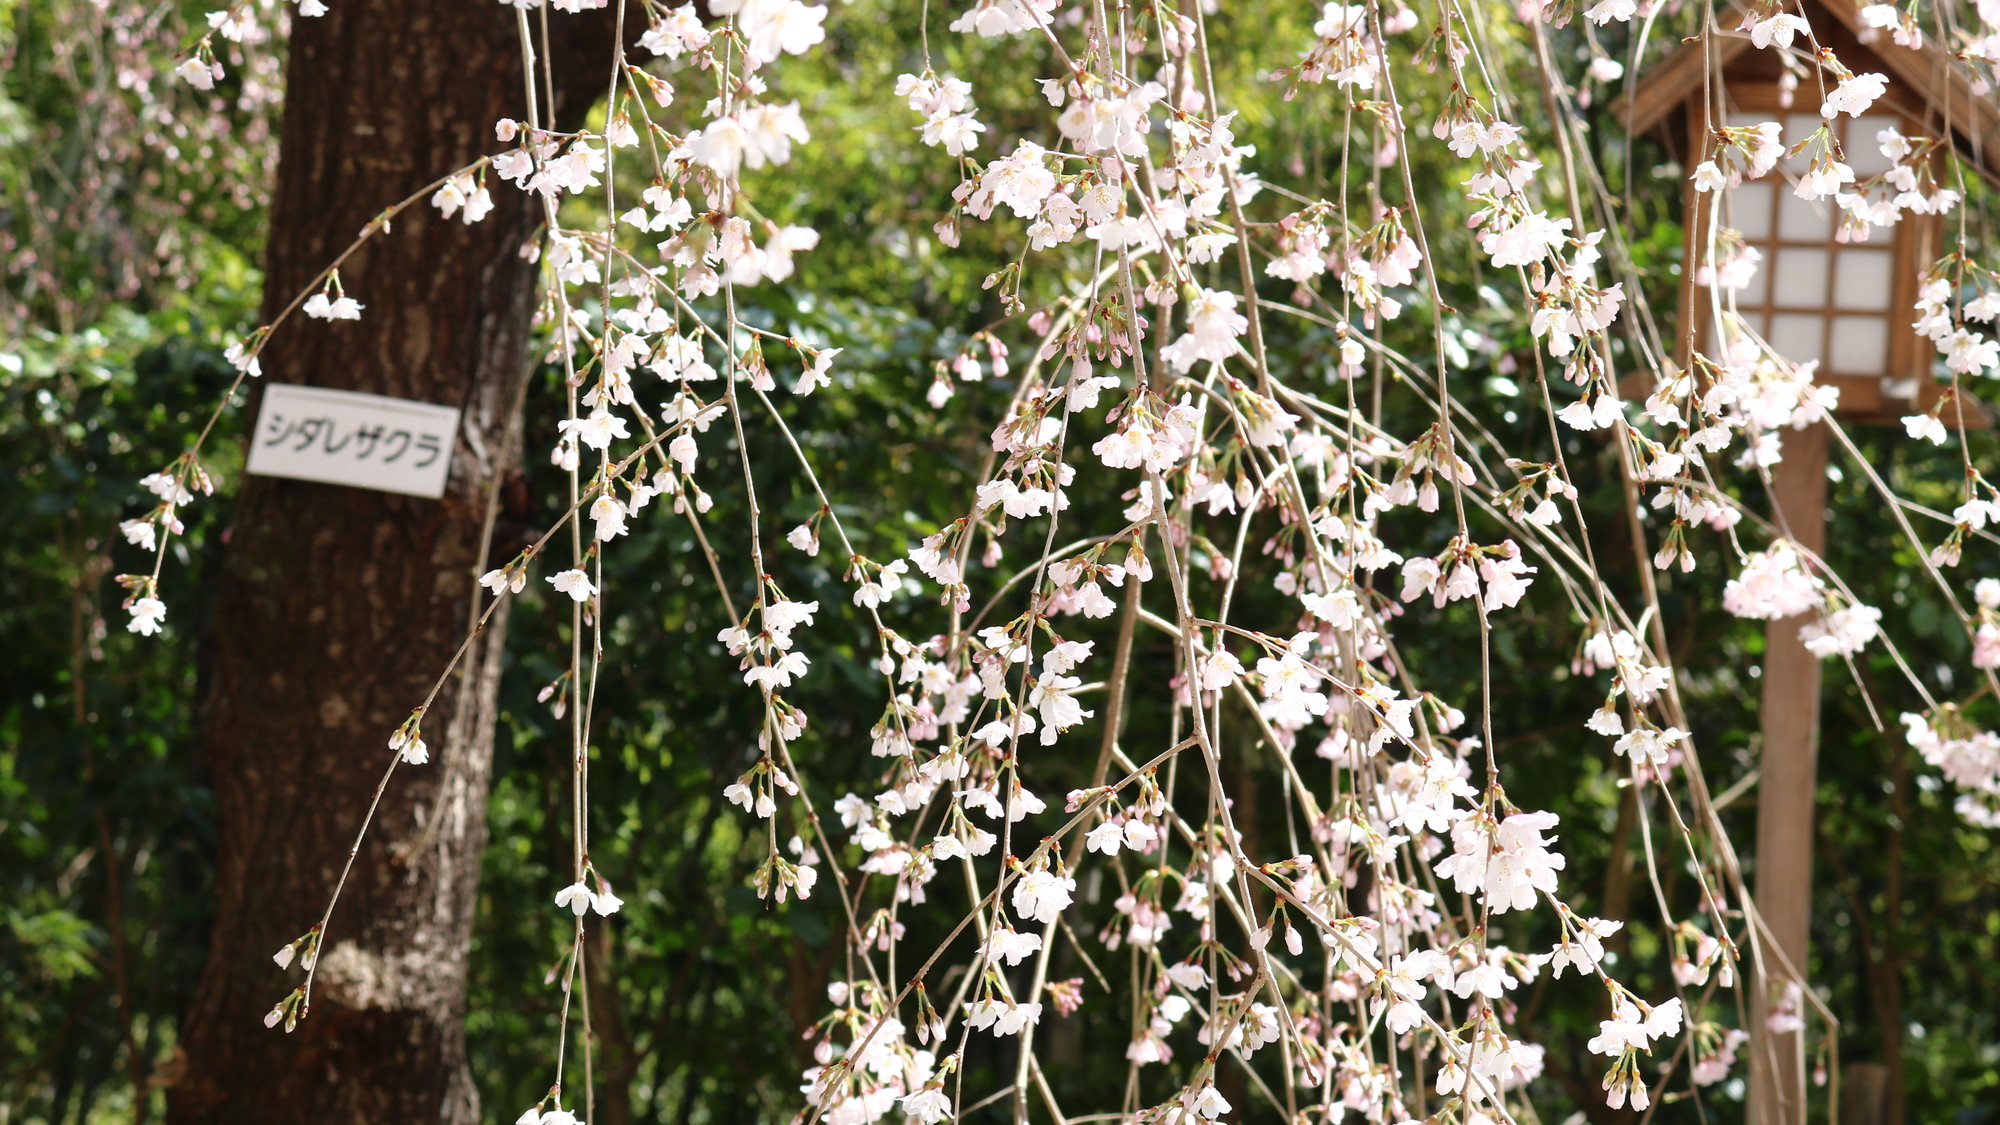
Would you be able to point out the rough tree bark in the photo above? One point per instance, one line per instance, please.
(340, 606)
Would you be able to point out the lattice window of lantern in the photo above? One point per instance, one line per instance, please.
(1812, 296)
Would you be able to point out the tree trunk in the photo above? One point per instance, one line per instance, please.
(340, 606)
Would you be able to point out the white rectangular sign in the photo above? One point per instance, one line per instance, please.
(364, 441)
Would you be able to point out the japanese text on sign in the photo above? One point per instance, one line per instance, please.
(365, 441)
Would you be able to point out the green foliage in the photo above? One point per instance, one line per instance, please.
(124, 250)
(104, 839)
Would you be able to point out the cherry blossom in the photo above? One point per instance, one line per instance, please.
(1042, 895)
(575, 583)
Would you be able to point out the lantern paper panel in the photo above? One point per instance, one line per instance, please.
(1812, 296)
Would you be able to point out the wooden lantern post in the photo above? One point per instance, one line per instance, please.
(1848, 306)
(1788, 769)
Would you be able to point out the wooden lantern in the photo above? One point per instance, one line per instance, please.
(1817, 295)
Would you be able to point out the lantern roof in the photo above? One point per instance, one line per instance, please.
(1925, 82)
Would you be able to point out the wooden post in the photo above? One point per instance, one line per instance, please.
(1785, 794)
(1865, 1091)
